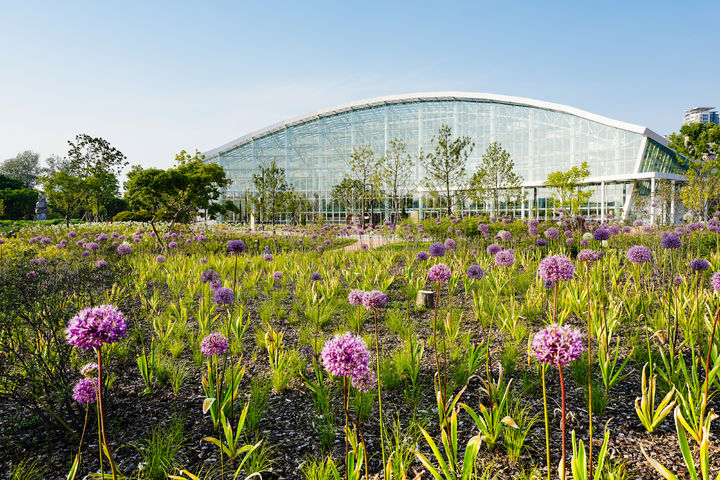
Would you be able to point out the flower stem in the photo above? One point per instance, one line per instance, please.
(707, 370)
(113, 468)
(380, 412)
(590, 429)
(562, 393)
(547, 425)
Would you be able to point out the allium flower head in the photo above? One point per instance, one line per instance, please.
(277, 275)
(421, 256)
(89, 369)
(345, 355)
(450, 244)
(93, 327)
(84, 391)
(715, 281)
(475, 272)
(506, 258)
(556, 268)
(268, 257)
(638, 254)
(101, 264)
(671, 241)
(209, 275)
(493, 249)
(587, 236)
(374, 299)
(315, 277)
(236, 246)
(552, 233)
(541, 242)
(587, 255)
(364, 380)
(601, 234)
(124, 249)
(355, 298)
(436, 250)
(224, 296)
(440, 273)
(160, 259)
(557, 345)
(214, 344)
(504, 235)
(699, 264)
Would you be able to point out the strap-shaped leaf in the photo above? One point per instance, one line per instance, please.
(207, 404)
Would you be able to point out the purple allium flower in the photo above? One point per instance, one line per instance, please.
(626, 229)
(569, 241)
(72, 234)
(214, 285)
(84, 391)
(671, 241)
(506, 258)
(436, 250)
(209, 275)
(93, 327)
(101, 264)
(557, 345)
(568, 233)
(203, 261)
(587, 255)
(277, 275)
(85, 253)
(364, 380)
(439, 273)
(715, 281)
(345, 355)
(450, 244)
(421, 256)
(614, 230)
(540, 242)
(638, 223)
(236, 246)
(315, 277)
(475, 272)
(31, 274)
(556, 268)
(493, 249)
(224, 296)
(374, 299)
(638, 254)
(92, 246)
(268, 257)
(124, 249)
(552, 233)
(601, 234)
(89, 369)
(584, 243)
(699, 264)
(214, 344)
(504, 235)
(172, 245)
(160, 259)
(355, 298)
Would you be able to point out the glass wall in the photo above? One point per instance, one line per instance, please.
(315, 153)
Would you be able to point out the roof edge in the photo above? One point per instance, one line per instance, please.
(434, 96)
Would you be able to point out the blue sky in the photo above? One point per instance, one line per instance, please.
(157, 77)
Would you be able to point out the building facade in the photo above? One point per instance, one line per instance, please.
(701, 115)
(626, 161)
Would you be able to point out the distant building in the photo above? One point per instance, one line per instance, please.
(701, 115)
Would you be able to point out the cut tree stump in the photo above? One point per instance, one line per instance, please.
(425, 298)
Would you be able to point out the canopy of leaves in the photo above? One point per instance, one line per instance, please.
(25, 167)
(496, 172)
(567, 191)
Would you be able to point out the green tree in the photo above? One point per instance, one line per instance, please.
(567, 189)
(364, 168)
(270, 188)
(296, 204)
(179, 193)
(445, 163)
(25, 167)
(66, 193)
(19, 204)
(495, 174)
(98, 164)
(699, 144)
(396, 174)
(347, 194)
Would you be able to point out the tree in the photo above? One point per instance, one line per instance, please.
(396, 173)
(699, 144)
(25, 167)
(179, 193)
(567, 191)
(445, 163)
(364, 170)
(495, 173)
(296, 204)
(270, 188)
(347, 193)
(98, 164)
(66, 193)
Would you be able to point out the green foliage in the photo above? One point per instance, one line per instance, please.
(650, 415)
(270, 190)
(258, 403)
(161, 450)
(29, 470)
(18, 204)
(579, 462)
(566, 187)
(397, 168)
(514, 438)
(25, 167)
(495, 176)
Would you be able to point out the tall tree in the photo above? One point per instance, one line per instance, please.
(445, 163)
(699, 144)
(25, 167)
(567, 189)
(98, 164)
(296, 204)
(495, 174)
(177, 194)
(364, 170)
(65, 192)
(347, 193)
(396, 174)
(270, 188)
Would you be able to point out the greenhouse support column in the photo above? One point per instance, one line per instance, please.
(672, 202)
(522, 203)
(652, 201)
(602, 201)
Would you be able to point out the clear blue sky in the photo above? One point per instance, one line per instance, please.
(154, 78)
